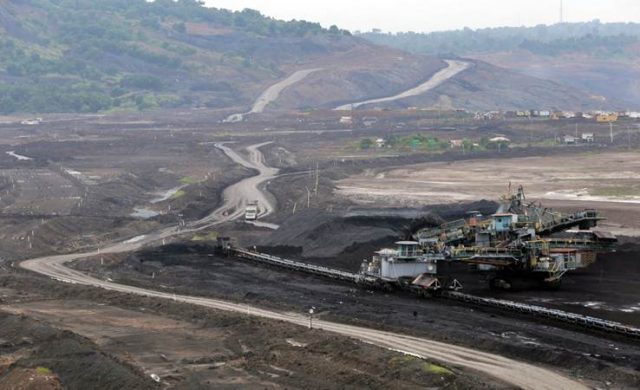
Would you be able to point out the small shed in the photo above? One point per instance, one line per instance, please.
(503, 222)
(588, 137)
(500, 139)
(456, 143)
(346, 120)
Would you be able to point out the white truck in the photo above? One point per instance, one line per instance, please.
(251, 211)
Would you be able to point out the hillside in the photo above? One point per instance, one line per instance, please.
(598, 57)
(592, 38)
(484, 87)
(88, 56)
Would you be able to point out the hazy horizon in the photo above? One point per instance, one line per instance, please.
(439, 15)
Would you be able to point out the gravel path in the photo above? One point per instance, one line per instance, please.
(454, 67)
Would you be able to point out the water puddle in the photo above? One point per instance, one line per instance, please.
(596, 305)
(162, 196)
(631, 309)
(518, 337)
(144, 213)
(19, 156)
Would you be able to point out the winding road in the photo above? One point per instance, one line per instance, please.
(453, 68)
(519, 374)
(237, 196)
(272, 93)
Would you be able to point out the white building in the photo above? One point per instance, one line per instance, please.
(500, 139)
(31, 122)
(456, 143)
(346, 120)
(587, 137)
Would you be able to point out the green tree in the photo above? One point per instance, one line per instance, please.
(141, 81)
(180, 27)
(366, 143)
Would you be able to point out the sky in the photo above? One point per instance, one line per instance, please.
(438, 15)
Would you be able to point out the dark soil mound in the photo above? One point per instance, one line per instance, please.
(78, 363)
(314, 233)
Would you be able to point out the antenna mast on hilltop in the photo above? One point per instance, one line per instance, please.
(561, 11)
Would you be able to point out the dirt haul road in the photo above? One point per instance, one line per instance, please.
(522, 375)
(453, 68)
(237, 196)
(272, 93)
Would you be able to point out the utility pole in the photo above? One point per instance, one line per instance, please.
(317, 178)
(308, 197)
(611, 131)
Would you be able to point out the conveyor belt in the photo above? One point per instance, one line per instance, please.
(538, 311)
(589, 217)
(304, 267)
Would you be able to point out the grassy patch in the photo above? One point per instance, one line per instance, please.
(189, 180)
(211, 236)
(408, 363)
(43, 370)
(617, 191)
(179, 194)
(436, 369)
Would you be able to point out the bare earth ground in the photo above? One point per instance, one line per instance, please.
(606, 181)
(190, 347)
(452, 69)
(190, 270)
(90, 174)
(95, 180)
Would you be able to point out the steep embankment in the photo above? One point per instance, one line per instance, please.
(486, 87)
(615, 80)
(600, 60)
